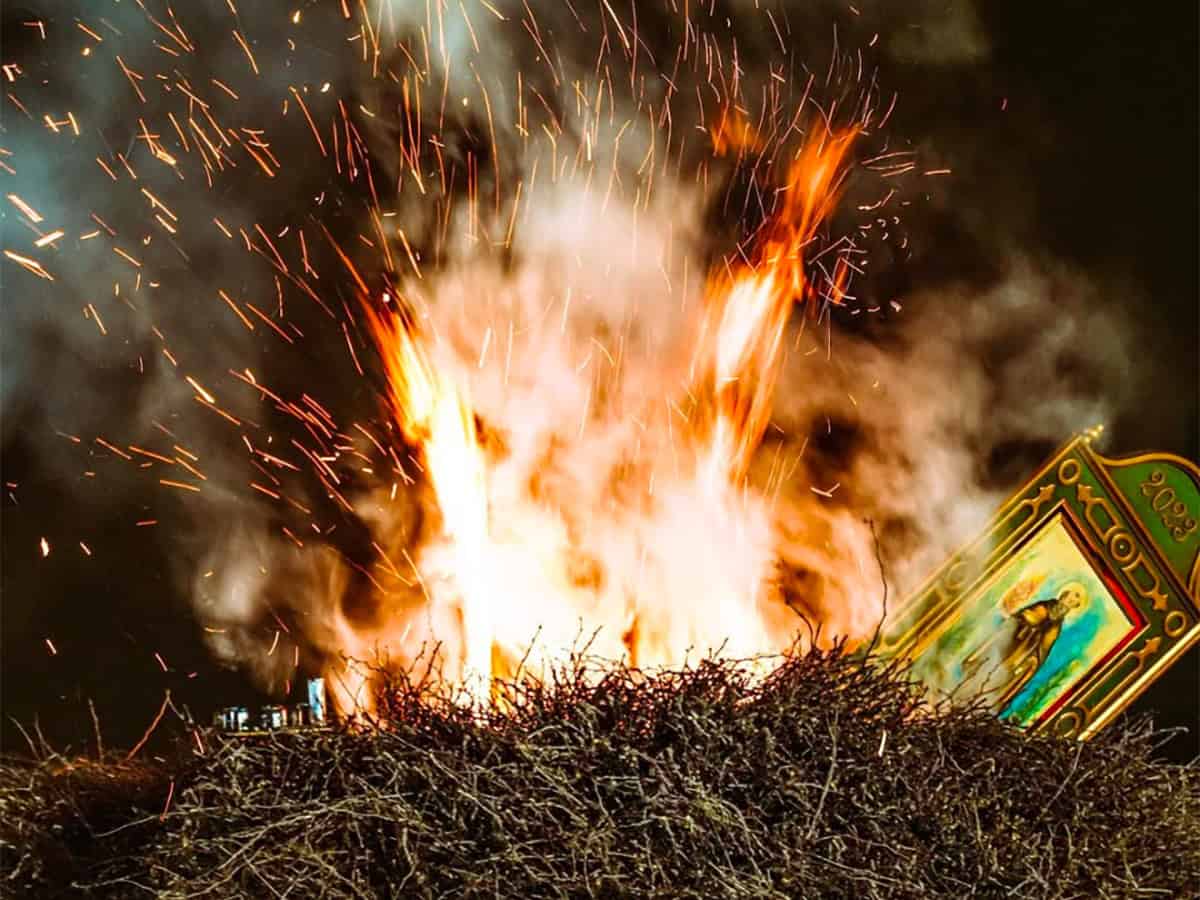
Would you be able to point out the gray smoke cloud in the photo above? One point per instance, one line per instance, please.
(550, 200)
(63, 369)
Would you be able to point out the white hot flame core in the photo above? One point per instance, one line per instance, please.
(597, 510)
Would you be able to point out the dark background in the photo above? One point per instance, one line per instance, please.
(1093, 159)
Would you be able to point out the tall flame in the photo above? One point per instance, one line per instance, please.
(749, 310)
(507, 553)
(435, 415)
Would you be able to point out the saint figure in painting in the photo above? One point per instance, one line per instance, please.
(1016, 651)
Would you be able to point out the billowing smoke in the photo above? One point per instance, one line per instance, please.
(539, 188)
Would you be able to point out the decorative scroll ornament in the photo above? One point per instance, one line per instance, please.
(1083, 588)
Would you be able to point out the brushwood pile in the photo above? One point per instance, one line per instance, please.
(824, 780)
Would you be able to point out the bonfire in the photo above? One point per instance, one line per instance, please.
(506, 368)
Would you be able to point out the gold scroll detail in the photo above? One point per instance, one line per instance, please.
(1121, 546)
(1074, 720)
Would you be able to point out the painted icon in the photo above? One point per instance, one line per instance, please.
(1033, 631)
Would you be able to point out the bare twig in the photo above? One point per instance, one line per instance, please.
(149, 731)
(883, 579)
(96, 729)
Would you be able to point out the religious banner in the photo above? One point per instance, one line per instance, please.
(1081, 590)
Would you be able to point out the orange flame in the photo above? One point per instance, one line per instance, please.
(512, 566)
(435, 415)
(749, 310)
(734, 132)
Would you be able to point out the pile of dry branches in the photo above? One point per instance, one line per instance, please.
(817, 782)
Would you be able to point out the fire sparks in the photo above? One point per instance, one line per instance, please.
(577, 467)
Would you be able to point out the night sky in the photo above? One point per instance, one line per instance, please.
(1075, 137)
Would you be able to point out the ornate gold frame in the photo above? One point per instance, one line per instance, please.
(1136, 519)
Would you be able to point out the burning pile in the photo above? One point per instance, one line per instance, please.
(816, 781)
(502, 333)
(577, 385)
(667, 551)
